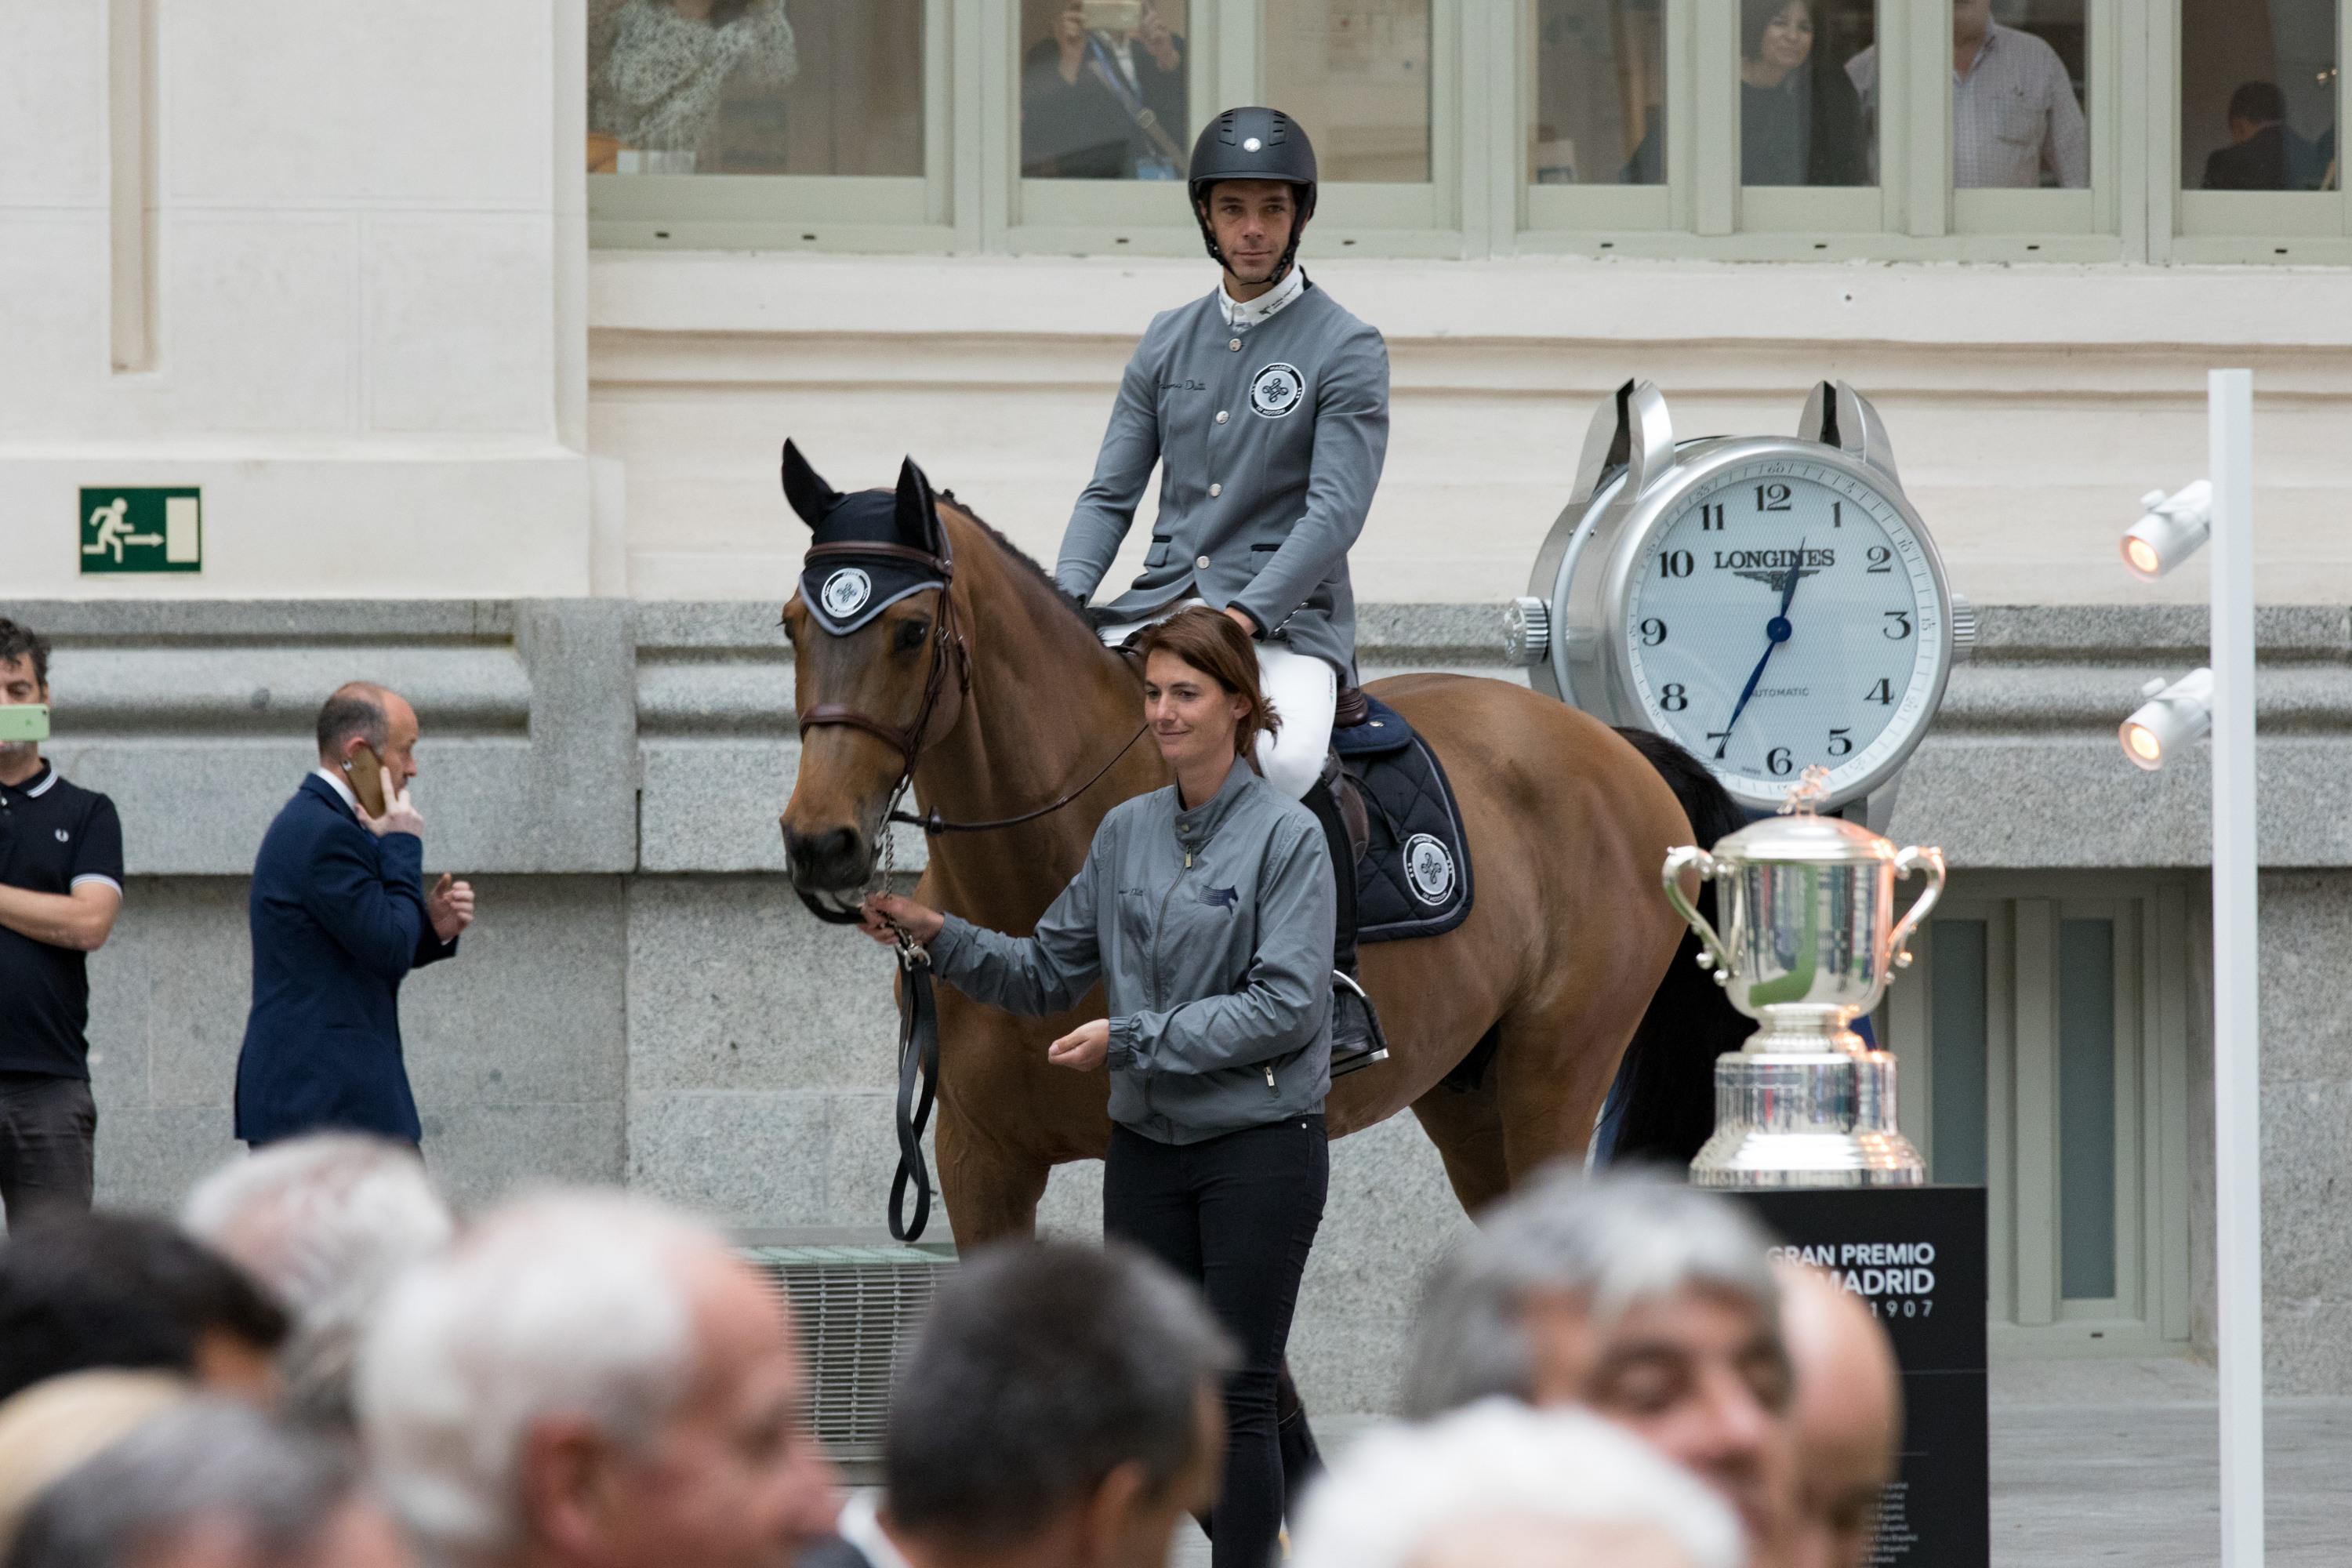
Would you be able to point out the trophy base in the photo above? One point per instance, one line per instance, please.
(1814, 1118)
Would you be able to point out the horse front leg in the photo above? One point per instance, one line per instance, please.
(991, 1188)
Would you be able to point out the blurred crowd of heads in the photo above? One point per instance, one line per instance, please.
(318, 1365)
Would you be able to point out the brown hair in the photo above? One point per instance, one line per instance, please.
(1214, 643)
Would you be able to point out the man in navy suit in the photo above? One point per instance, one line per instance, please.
(339, 916)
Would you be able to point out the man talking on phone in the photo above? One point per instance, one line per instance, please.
(341, 914)
(60, 888)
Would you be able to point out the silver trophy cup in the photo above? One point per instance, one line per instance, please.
(1805, 948)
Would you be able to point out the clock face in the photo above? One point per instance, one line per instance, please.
(1782, 614)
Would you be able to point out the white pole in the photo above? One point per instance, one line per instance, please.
(2236, 1054)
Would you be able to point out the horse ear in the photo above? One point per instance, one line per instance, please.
(918, 517)
(810, 495)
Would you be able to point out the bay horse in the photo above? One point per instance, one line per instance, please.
(995, 696)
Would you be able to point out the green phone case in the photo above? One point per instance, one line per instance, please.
(24, 721)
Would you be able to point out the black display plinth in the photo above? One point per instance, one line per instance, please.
(1916, 1255)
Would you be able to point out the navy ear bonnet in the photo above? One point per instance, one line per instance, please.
(904, 552)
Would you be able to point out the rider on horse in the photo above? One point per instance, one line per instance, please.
(1267, 406)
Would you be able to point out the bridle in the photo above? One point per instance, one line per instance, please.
(949, 650)
(918, 1023)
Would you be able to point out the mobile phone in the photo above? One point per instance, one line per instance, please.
(1112, 16)
(366, 771)
(24, 721)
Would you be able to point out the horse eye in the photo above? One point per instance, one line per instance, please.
(911, 635)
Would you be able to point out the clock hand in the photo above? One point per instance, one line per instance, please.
(1776, 632)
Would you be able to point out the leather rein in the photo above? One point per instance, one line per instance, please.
(919, 1017)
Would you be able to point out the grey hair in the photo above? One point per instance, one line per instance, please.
(326, 1223)
(565, 1303)
(1397, 1491)
(1613, 1240)
(212, 1462)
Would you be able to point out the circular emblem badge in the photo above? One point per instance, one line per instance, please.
(1274, 391)
(1428, 870)
(845, 592)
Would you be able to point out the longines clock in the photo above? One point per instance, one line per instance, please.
(1770, 603)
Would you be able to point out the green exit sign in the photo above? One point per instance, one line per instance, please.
(143, 530)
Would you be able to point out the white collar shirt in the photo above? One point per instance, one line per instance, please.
(336, 782)
(2014, 114)
(1242, 314)
(861, 1526)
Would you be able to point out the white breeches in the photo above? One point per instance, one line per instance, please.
(1304, 691)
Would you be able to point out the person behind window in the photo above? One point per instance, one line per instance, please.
(659, 91)
(2015, 116)
(1102, 96)
(1798, 125)
(2256, 157)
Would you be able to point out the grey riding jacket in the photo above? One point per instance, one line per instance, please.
(1211, 930)
(1270, 440)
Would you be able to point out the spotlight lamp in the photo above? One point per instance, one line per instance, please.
(2172, 529)
(2174, 716)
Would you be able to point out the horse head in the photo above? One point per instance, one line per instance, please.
(878, 667)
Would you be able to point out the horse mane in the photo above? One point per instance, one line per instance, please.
(1021, 558)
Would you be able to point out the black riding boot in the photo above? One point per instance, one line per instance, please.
(1356, 1039)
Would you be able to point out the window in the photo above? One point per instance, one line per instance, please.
(1934, 130)
(2261, 93)
(2042, 1035)
(719, 121)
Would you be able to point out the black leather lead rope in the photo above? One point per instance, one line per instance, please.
(919, 1078)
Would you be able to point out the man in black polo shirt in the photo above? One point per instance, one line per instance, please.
(60, 888)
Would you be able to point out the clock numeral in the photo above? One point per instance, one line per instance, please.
(1674, 698)
(1675, 563)
(1883, 693)
(1780, 762)
(1901, 628)
(1771, 497)
(1841, 742)
(1881, 559)
(1710, 517)
(1721, 738)
(1837, 514)
(1654, 632)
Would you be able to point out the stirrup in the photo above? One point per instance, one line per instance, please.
(1354, 1049)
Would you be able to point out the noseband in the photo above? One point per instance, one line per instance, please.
(948, 644)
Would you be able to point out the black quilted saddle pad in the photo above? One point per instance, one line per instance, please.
(1414, 877)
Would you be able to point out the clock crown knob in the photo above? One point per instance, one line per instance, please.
(1527, 630)
(1964, 629)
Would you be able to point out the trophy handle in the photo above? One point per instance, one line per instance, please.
(1690, 855)
(1905, 862)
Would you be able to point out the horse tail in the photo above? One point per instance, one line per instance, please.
(1668, 1078)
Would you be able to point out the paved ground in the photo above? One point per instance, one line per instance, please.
(2117, 1462)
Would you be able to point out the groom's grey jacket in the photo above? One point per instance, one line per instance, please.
(1287, 422)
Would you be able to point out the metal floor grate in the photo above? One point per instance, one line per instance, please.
(856, 1308)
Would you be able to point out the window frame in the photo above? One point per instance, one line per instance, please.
(2257, 227)
(915, 214)
(1480, 202)
(2024, 913)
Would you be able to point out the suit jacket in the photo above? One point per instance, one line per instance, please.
(1288, 422)
(1080, 130)
(339, 920)
(833, 1552)
(2259, 164)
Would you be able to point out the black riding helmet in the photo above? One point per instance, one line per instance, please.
(1253, 144)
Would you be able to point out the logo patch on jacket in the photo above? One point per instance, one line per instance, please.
(1274, 391)
(1221, 898)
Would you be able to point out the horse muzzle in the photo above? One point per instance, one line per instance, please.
(829, 870)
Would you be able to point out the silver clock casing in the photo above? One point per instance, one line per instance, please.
(1632, 478)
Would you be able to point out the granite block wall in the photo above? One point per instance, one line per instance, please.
(644, 1001)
